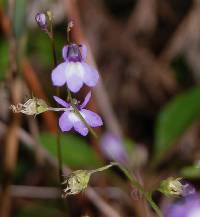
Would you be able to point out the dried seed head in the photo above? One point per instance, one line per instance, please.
(172, 187)
(76, 182)
(33, 106)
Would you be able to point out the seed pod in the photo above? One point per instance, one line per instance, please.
(171, 187)
(33, 106)
(76, 182)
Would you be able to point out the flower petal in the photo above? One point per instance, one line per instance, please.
(93, 119)
(65, 122)
(78, 125)
(64, 52)
(86, 100)
(83, 51)
(112, 146)
(58, 74)
(74, 77)
(61, 102)
(90, 76)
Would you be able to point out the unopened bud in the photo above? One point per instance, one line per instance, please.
(70, 25)
(41, 20)
(31, 107)
(172, 187)
(76, 182)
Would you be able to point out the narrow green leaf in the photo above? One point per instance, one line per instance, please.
(44, 209)
(19, 17)
(174, 119)
(191, 172)
(75, 151)
(4, 59)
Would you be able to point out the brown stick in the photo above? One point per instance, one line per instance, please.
(11, 138)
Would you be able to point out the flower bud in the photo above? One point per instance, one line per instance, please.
(76, 182)
(112, 147)
(31, 107)
(171, 187)
(41, 20)
(70, 25)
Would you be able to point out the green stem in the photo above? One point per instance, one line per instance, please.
(58, 139)
(103, 168)
(137, 185)
(51, 36)
(54, 52)
(59, 154)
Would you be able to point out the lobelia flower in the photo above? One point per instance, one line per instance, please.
(69, 119)
(188, 190)
(74, 71)
(112, 147)
(187, 207)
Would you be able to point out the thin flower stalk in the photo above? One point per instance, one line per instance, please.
(136, 184)
(78, 181)
(50, 33)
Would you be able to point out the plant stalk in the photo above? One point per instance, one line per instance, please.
(136, 184)
(58, 139)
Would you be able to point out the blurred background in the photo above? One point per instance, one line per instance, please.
(147, 53)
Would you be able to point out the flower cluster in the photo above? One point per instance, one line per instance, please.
(74, 72)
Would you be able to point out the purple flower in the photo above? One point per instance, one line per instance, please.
(112, 147)
(74, 71)
(41, 20)
(69, 119)
(188, 190)
(187, 207)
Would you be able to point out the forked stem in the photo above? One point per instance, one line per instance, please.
(135, 183)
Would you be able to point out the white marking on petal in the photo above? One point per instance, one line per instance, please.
(195, 212)
(80, 70)
(73, 117)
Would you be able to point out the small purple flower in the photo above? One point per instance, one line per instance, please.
(187, 207)
(41, 20)
(74, 71)
(69, 119)
(188, 190)
(112, 147)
